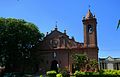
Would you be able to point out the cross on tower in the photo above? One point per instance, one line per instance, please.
(89, 6)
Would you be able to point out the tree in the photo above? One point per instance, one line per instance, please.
(18, 40)
(80, 61)
(118, 24)
(93, 64)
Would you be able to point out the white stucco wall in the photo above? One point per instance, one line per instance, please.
(110, 66)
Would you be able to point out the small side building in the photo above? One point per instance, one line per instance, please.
(109, 63)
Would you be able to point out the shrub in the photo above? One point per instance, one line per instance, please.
(59, 75)
(85, 74)
(95, 73)
(111, 72)
(51, 73)
(41, 75)
(118, 72)
(65, 73)
(101, 73)
(79, 73)
(91, 73)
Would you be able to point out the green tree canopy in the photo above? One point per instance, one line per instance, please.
(80, 60)
(93, 63)
(18, 39)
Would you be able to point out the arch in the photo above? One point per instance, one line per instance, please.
(54, 66)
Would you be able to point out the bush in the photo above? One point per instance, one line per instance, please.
(41, 75)
(118, 72)
(101, 73)
(95, 73)
(79, 73)
(51, 73)
(91, 73)
(111, 72)
(59, 75)
(64, 72)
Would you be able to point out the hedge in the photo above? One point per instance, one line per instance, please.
(101, 73)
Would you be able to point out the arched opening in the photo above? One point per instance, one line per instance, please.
(54, 65)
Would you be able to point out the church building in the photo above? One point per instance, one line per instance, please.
(57, 48)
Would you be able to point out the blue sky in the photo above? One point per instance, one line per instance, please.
(69, 13)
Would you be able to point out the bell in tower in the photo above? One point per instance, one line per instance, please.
(90, 30)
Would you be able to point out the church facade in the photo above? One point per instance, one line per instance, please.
(57, 48)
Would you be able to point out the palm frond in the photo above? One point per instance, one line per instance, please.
(118, 24)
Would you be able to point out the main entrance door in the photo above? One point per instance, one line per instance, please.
(54, 64)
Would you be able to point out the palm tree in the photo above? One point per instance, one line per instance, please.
(118, 24)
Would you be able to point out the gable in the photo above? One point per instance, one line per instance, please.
(109, 58)
(59, 40)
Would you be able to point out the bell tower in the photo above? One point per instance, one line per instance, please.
(90, 30)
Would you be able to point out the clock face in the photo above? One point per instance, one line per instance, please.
(90, 28)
